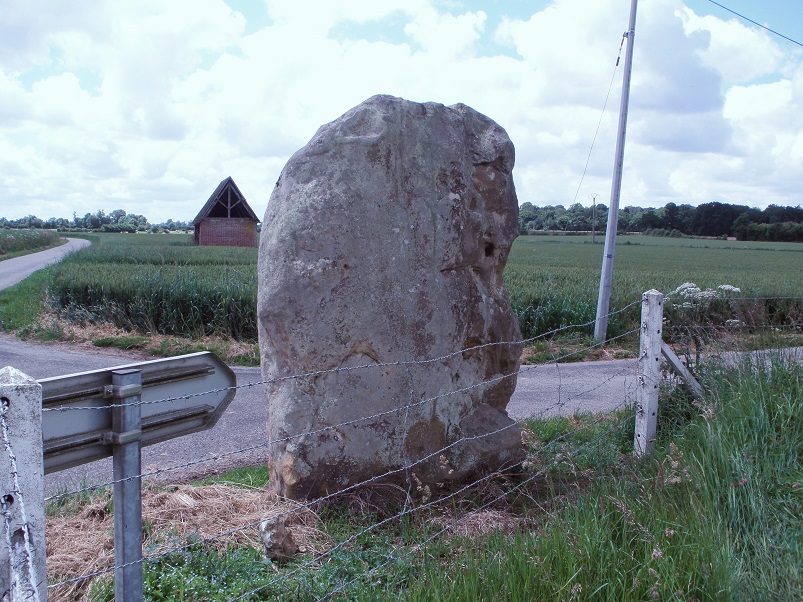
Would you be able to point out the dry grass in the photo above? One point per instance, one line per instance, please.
(84, 544)
(49, 326)
(475, 525)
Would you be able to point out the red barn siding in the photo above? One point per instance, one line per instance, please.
(227, 231)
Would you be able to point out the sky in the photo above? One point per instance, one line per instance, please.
(146, 105)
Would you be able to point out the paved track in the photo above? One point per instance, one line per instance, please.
(18, 269)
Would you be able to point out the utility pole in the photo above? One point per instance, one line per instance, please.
(593, 217)
(606, 276)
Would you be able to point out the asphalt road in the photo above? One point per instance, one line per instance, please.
(562, 389)
(17, 269)
(542, 391)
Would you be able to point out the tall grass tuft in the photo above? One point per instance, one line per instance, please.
(750, 473)
(715, 515)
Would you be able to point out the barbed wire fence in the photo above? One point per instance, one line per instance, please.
(682, 318)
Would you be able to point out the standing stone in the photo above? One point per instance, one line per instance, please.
(380, 272)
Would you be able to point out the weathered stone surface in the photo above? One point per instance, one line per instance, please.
(383, 245)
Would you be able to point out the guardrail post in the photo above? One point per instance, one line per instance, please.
(23, 574)
(649, 372)
(125, 438)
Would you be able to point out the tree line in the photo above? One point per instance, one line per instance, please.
(775, 223)
(100, 221)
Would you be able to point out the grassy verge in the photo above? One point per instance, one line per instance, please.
(714, 515)
(22, 304)
(15, 243)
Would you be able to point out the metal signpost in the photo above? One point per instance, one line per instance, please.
(180, 395)
(114, 412)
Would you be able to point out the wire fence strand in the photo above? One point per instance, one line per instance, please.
(408, 465)
(405, 408)
(376, 478)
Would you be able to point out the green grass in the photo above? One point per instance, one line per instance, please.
(160, 284)
(250, 477)
(197, 573)
(713, 515)
(72, 504)
(124, 343)
(23, 303)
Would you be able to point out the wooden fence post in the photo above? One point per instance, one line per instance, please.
(22, 495)
(649, 372)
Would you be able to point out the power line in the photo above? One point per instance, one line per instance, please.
(741, 16)
(599, 123)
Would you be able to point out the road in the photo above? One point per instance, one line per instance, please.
(542, 391)
(18, 269)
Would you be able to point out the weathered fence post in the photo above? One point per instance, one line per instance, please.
(23, 574)
(649, 372)
(126, 438)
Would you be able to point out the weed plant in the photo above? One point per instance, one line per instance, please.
(19, 242)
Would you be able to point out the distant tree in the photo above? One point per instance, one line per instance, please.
(684, 218)
(116, 215)
(550, 217)
(137, 222)
(92, 222)
(715, 219)
(670, 216)
(648, 219)
(741, 226)
(527, 215)
(774, 214)
(602, 218)
(101, 215)
(628, 219)
(29, 221)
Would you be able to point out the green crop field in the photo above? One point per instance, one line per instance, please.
(553, 281)
(164, 284)
(159, 284)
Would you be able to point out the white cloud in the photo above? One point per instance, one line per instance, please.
(738, 52)
(446, 36)
(147, 105)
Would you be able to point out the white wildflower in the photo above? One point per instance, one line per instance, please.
(691, 293)
(679, 290)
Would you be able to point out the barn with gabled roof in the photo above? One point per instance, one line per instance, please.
(226, 219)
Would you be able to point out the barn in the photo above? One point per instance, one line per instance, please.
(226, 219)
